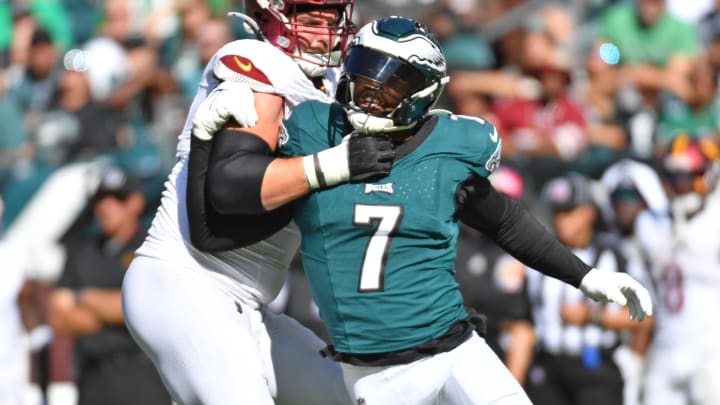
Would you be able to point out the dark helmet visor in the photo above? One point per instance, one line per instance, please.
(385, 69)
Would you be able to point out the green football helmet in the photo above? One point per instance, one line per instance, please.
(393, 74)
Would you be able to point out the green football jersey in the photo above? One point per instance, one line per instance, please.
(380, 256)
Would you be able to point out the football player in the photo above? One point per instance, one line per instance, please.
(683, 360)
(194, 297)
(379, 254)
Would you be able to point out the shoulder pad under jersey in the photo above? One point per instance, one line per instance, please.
(263, 67)
(481, 140)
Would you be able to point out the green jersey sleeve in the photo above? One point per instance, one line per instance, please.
(479, 144)
(311, 128)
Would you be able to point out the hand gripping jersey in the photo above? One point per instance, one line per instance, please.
(380, 257)
(259, 268)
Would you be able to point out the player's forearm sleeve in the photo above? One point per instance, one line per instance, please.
(236, 168)
(516, 231)
(212, 231)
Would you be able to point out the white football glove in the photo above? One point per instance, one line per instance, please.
(227, 100)
(606, 286)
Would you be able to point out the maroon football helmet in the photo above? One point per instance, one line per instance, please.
(272, 18)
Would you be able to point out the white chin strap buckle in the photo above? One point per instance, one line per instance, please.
(367, 123)
(315, 67)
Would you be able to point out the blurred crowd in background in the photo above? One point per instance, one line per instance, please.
(608, 110)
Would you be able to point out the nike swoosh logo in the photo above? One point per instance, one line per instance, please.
(494, 135)
(245, 67)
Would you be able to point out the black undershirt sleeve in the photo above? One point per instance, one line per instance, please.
(223, 192)
(515, 230)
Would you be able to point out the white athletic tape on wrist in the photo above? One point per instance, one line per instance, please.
(310, 175)
(327, 168)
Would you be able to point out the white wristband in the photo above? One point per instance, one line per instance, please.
(309, 168)
(327, 168)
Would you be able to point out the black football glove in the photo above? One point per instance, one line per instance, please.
(370, 156)
(359, 158)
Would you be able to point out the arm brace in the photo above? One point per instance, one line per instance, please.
(516, 231)
(210, 230)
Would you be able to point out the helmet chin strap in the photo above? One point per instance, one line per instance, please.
(367, 123)
(315, 65)
(309, 68)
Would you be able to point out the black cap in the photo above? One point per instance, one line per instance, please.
(115, 182)
(568, 192)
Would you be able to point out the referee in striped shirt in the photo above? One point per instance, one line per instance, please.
(576, 337)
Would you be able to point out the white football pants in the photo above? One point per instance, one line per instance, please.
(470, 374)
(211, 349)
(683, 374)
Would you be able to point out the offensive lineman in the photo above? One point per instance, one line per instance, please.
(198, 314)
(379, 256)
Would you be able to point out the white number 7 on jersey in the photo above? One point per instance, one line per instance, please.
(373, 266)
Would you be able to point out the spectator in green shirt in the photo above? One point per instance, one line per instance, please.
(641, 46)
(698, 118)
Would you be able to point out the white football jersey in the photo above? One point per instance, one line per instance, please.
(254, 273)
(266, 69)
(685, 258)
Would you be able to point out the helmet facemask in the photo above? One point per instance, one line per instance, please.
(278, 25)
(383, 93)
